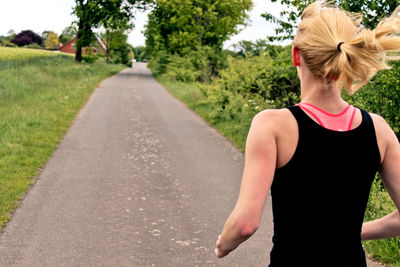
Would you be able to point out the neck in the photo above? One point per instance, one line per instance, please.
(322, 95)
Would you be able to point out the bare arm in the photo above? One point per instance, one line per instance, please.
(260, 161)
(389, 225)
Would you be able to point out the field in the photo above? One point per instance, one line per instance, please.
(40, 94)
(8, 54)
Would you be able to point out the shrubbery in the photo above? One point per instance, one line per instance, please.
(26, 38)
(382, 96)
(200, 65)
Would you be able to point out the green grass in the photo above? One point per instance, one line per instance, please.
(380, 204)
(11, 54)
(39, 97)
(235, 127)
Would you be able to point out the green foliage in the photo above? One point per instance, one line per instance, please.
(371, 10)
(89, 58)
(140, 53)
(111, 14)
(118, 50)
(192, 65)
(8, 44)
(177, 25)
(33, 45)
(6, 40)
(382, 96)
(51, 40)
(379, 205)
(68, 34)
(250, 49)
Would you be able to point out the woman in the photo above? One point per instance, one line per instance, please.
(320, 157)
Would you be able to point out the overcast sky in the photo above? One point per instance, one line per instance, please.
(55, 15)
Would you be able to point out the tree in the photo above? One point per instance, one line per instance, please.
(177, 25)
(68, 34)
(115, 21)
(372, 10)
(119, 50)
(247, 48)
(11, 33)
(26, 38)
(5, 40)
(93, 13)
(139, 53)
(88, 13)
(51, 40)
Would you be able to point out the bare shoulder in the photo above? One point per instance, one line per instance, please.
(385, 136)
(272, 117)
(382, 128)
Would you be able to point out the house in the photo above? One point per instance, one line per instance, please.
(99, 47)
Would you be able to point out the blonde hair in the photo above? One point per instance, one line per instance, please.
(363, 52)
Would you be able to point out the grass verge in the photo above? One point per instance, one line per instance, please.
(39, 98)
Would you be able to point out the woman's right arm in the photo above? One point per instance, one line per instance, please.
(389, 225)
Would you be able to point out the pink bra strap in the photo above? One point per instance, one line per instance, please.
(338, 122)
(352, 118)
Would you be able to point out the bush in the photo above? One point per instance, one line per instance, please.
(89, 58)
(382, 96)
(201, 65)
(8, 44)
(158, 63)
(33, 45)
(26, 38)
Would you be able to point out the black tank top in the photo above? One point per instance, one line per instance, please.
(319, 197)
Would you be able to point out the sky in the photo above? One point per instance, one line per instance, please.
(55, 15)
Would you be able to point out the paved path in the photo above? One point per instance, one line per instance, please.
(139, 180)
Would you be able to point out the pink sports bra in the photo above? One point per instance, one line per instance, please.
(337, 122)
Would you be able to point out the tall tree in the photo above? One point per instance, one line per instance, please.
(68, 34)
(176, 25)
(93, 13)
(51, 40)
(88, 13)
(115, 21)
(372, 11)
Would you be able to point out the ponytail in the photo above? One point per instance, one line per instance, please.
(337, 49)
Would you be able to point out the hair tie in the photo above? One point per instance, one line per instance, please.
(338, 46)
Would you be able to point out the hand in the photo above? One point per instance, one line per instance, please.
(219, 252)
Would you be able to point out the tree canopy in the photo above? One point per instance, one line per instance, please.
(26, 38)
(51, 40)
(111, 14)
(68, 34)
(176, 25)
(372, 11)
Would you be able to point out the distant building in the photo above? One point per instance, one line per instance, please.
(99, 47)
(59, 45)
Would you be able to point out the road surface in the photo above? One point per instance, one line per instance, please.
(139, 180)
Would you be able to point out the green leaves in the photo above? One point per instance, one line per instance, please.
(176, 25)
(113, 15)
(372, 10)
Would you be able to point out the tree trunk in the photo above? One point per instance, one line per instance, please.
(78, 43)
(107, 47)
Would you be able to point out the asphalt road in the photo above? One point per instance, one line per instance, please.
(139, 180)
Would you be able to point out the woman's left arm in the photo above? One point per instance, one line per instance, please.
(389, 225)
(259, 168)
